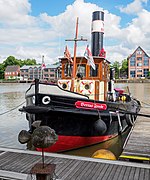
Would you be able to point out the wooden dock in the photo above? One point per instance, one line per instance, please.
(137, 147)
(17, 164)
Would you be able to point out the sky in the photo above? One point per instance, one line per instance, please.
(33, 28)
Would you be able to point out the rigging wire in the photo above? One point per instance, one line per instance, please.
(12, 109)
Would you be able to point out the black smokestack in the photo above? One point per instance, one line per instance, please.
(97, 32)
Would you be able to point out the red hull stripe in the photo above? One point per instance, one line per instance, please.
(65, 143)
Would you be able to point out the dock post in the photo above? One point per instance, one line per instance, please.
(43, 173)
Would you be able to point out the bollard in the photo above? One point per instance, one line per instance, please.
(43, 173)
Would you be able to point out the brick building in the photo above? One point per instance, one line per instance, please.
(12, 72)
(138, 64)
(50, 72)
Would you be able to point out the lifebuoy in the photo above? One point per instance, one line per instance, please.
(86, 87)
(64, 85)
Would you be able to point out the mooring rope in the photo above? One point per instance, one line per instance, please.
(12, 109)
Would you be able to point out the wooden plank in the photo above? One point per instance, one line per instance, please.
(122, 172)
(138, 143)
(126, 174)
(137, 173)
(107, 172)
(96, 169)
(102, 173)
(132, 173)
(100, 168)
(71, 168)
(67, 173)
(146, 174)
(115, 173)
(91, 171)
(83, 172)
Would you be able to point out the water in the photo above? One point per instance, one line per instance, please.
(12, 122)
(11, 95)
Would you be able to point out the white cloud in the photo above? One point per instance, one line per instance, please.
(15, 13)
(133, 8)
(26, 36)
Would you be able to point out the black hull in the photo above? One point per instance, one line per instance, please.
(71, 121)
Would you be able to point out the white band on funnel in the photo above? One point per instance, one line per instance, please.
(98, 26)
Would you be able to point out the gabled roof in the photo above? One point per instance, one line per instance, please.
(12, 68)
(136, 50)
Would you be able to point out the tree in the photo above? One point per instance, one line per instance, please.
(1, 71)
(30, 62)
(116, 65)
(124, 68)
(121, 69)
(10, 61)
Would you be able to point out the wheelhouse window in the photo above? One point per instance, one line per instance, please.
(81, 69)
(68, 70)
(94, 73)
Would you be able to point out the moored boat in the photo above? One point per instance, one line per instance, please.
(83, 108)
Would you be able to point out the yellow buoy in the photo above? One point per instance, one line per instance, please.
(104, 154)
(123, 98)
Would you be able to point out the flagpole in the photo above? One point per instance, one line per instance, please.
(42, 67)
(75, 50)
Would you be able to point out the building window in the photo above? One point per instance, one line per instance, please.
(139, 52)
(51, 70)
(139, 70)
(132, 61)
(139, 64)
(146, 72)
(45, 70)
(146, 61)
(51, 75)
(139, 58)
(132, 74)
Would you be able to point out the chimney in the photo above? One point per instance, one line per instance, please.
(97, 32)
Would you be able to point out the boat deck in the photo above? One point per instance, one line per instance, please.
(138, 145)
(17, 164)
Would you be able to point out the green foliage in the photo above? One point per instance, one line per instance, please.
(1, 71)
(11, 60)
(121, 69)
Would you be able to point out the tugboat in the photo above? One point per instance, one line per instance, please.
(83, 107)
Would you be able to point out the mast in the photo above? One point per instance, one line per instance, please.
(75, 50)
